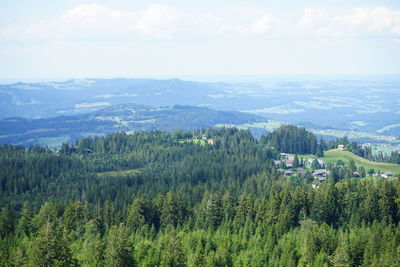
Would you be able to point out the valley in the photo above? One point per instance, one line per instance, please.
(55, 112)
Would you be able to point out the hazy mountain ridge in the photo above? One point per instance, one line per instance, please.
(126, 117)
(327, 103)
(323, 104)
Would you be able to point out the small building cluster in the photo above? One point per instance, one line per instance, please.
(285, 166)
(320, 175)
(384, 175)
(210, 141)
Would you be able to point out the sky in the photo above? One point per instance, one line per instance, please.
(47, 39)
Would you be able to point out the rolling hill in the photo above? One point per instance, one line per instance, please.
(300, 102)
(126, 117)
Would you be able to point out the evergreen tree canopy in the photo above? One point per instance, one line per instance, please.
(292, 139)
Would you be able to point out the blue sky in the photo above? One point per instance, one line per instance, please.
(47, 39)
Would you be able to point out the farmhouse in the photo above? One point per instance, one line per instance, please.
(320, 172)
(341, 147)
(286, 156)
(387, 174)
(210, 141)
(301, 171)
(288, 173)
(289, 163)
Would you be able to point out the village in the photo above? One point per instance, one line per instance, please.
(289, 165)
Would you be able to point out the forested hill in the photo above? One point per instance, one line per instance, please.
(126, 117)
(172, 199)
(292, 139)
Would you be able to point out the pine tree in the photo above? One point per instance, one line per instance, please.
(315, 164)
(319, 152)
(296, 161)
(119, 251)
(172, 254)
(341, 256)
(51, 248)
(136, 215)
(352, 166)
(362, 172)
(6, 221)
(211, 211)
(25, 221)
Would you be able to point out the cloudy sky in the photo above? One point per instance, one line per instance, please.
(129, 38)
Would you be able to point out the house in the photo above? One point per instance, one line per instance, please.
(356, 175)
(210, 141)
(387, 174)
(288, 173)
(289, 163)
(341, 147)
(320, 172)
(301, 171)
(320, 179)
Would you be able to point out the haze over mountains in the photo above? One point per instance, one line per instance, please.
(75, 108)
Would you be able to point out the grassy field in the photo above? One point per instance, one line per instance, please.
(195, 141)
(388, 127)
(332, 156)
(118, 173)
(268, 125)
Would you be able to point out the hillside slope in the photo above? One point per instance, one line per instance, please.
(332, 156)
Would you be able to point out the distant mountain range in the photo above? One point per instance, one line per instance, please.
(125, 117)
(50, 99)
(61, 111)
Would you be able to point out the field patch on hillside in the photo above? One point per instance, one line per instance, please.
(333, 155)
(119, 173)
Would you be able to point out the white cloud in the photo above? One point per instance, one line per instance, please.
(311, 17)
(379, 19)
(83, 21)
(361, 21)
(91, 13)
(99, 22)
(156, 21)
(260, 26)
(159, 21)
(318, 22)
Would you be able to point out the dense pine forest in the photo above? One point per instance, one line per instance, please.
(199, 198)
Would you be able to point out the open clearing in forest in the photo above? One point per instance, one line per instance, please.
(118, 173)
(333, 155)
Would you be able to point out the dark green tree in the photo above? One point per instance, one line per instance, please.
(172, 254)
(296, 162)
(119, 251)
(50, 248)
